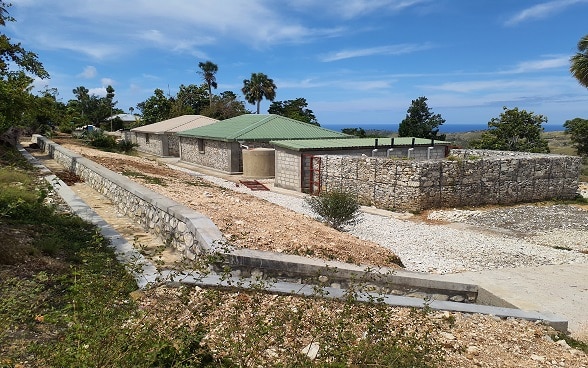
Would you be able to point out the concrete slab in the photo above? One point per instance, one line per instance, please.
(557, 289)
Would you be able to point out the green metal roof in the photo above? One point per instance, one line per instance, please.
(254, 127)
(333, 144)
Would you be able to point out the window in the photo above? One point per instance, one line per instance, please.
(147, 138)
(200, 145)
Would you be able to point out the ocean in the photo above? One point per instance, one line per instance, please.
(445, 128)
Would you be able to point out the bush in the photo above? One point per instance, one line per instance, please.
(336, 208)
(126, 146)
(98, 139)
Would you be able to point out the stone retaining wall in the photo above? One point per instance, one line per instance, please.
(180, 226)
(466, 178)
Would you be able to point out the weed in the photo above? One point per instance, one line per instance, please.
(126, 146)
(573, 343)
(146, 178)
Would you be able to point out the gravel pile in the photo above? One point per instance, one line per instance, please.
(525, 236)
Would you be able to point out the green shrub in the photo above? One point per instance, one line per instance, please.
(336, 208)
(126, 146)
(98, 139)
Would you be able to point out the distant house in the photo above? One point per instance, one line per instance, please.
(298, 161)
(220, 146)
(162, 138)
(126, 119)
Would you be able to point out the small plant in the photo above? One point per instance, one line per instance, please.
(126, 146)
(98, 139)
(336, 208)
(148, 179)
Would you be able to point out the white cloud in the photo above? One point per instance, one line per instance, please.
(99, 91)
(536, 65)
(541, 11)
(107, 81)
(529, 86)
(89, 72)
(371, 51)
(349, 9)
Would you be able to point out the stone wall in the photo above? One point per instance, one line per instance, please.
(150, 143)
(186, 230)
(173, 142)
(466, 178)
(292, 167)
(217, 155)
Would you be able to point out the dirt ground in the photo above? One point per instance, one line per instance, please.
(469, 341)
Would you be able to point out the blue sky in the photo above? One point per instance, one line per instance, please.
(357, 62)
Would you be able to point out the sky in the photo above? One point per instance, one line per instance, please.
(356, 62)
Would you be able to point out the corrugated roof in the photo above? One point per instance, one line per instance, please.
(254, 127)
(332, 144)
(177, 124)
(124, 117)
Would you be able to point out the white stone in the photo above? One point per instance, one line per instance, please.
(537, 358)
(311, 350)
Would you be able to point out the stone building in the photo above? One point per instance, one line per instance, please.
(162, 139)
(220, 146)
(298, 161)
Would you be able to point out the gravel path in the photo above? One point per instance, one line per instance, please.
(464, 240)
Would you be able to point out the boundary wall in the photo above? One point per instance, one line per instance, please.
(186, 230)
(465, 178)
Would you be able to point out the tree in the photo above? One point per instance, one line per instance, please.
(358, 132)
(225, 106)
(257, 88)
(420, 122)
(294, 109)
(579, 62)
(47, 113)
(14, 53)
(155, 108)
(208, 71)
(83, 97)
(578, 130)
(15, 85)
(15, 98)
(190, 99)
(98, 109)
(514, 130)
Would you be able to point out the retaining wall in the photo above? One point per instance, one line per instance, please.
(467, 178)
(186, 230)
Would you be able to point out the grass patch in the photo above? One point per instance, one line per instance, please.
(146, 178)
(573, 343)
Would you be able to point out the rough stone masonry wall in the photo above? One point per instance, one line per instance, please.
(173, 141)
(468, 178)
(154, 146)
(186, 230)
(216, 154)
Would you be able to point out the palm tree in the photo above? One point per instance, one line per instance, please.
(579, 62)
(208, 71)
(259, 87)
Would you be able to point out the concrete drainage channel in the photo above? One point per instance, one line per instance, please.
(274, 272)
